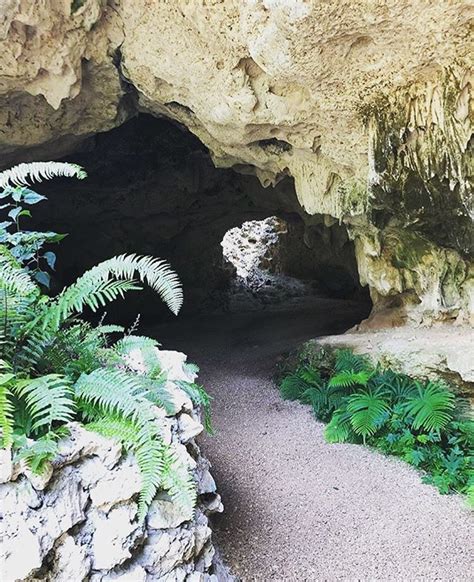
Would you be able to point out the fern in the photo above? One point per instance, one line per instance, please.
(431, 406)
(292, 387)
(37, 453)
(349, 378)
(338, 430)
(159, 468)
(347, 361)
(367, 412)
(6, 410)
(200, 398)
(112, 279)
(48, 399)
(24, 174)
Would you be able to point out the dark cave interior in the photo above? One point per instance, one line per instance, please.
(153, 189)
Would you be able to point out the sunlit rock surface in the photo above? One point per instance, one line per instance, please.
(368, 107)
(81, 520)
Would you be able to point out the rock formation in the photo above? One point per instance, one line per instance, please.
(367, 106)
(77, 520)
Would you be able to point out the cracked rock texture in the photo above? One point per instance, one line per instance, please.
(79, 520)
(367, 106)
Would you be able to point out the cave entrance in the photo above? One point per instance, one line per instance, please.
(153, 189)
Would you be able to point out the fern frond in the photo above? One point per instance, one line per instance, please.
(38, 452)
(338, 430)
(200, 398)
(367, 411)
(347, 361)
(292, 387)
(6, 410)
(24, 174)
(112, 279)
(349, 378)
(115, 392)
(14, 279)
(48, 399)
(178, 481)
(431, 406)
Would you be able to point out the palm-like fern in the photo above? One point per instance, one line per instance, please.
(431, 406)
(346, 360)
(339, 427)
(368, 411)
(350, 378)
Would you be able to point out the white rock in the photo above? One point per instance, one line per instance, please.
(173, 363)
(213, 505)
(166, 513)
(120, 484)
(188, 427)
(39, 480)
(177, 400)
(70, 561)
(133, 574)
(20, 553)
(62, 507)
(206, 483)
(6, 465)
(114, 536)
(83, 443)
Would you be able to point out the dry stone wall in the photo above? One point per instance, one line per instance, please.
(78, 520)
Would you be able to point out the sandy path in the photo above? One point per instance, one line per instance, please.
(296, 507)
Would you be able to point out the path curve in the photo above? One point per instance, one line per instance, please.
(298, 509)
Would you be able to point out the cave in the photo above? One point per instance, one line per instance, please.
(153, 189)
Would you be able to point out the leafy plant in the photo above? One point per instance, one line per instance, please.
(400, 416)
(27, 246)
(56, 367)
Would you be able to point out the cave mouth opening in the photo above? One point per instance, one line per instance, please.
(153, 189)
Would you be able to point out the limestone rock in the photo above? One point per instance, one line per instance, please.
(114, 536)
(6, 465)
(120, 484)
(71, 561)
(166, 513)
(188, 428)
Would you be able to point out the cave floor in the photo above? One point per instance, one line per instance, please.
(297, 508)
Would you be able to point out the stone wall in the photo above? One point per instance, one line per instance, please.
(78, 520)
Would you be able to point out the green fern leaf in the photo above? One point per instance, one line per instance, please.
(338, 430)
(349, 378)
(48, 399)
(431, 406)
(367, 410)
(6, 410)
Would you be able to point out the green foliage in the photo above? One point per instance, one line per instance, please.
(368, 411)
(56, 368)
(400, 416)
(431, 406)
(349, 378)
(27, 246)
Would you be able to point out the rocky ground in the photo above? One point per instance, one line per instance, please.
(297, 508)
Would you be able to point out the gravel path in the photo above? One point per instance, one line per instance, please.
(298, 508)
